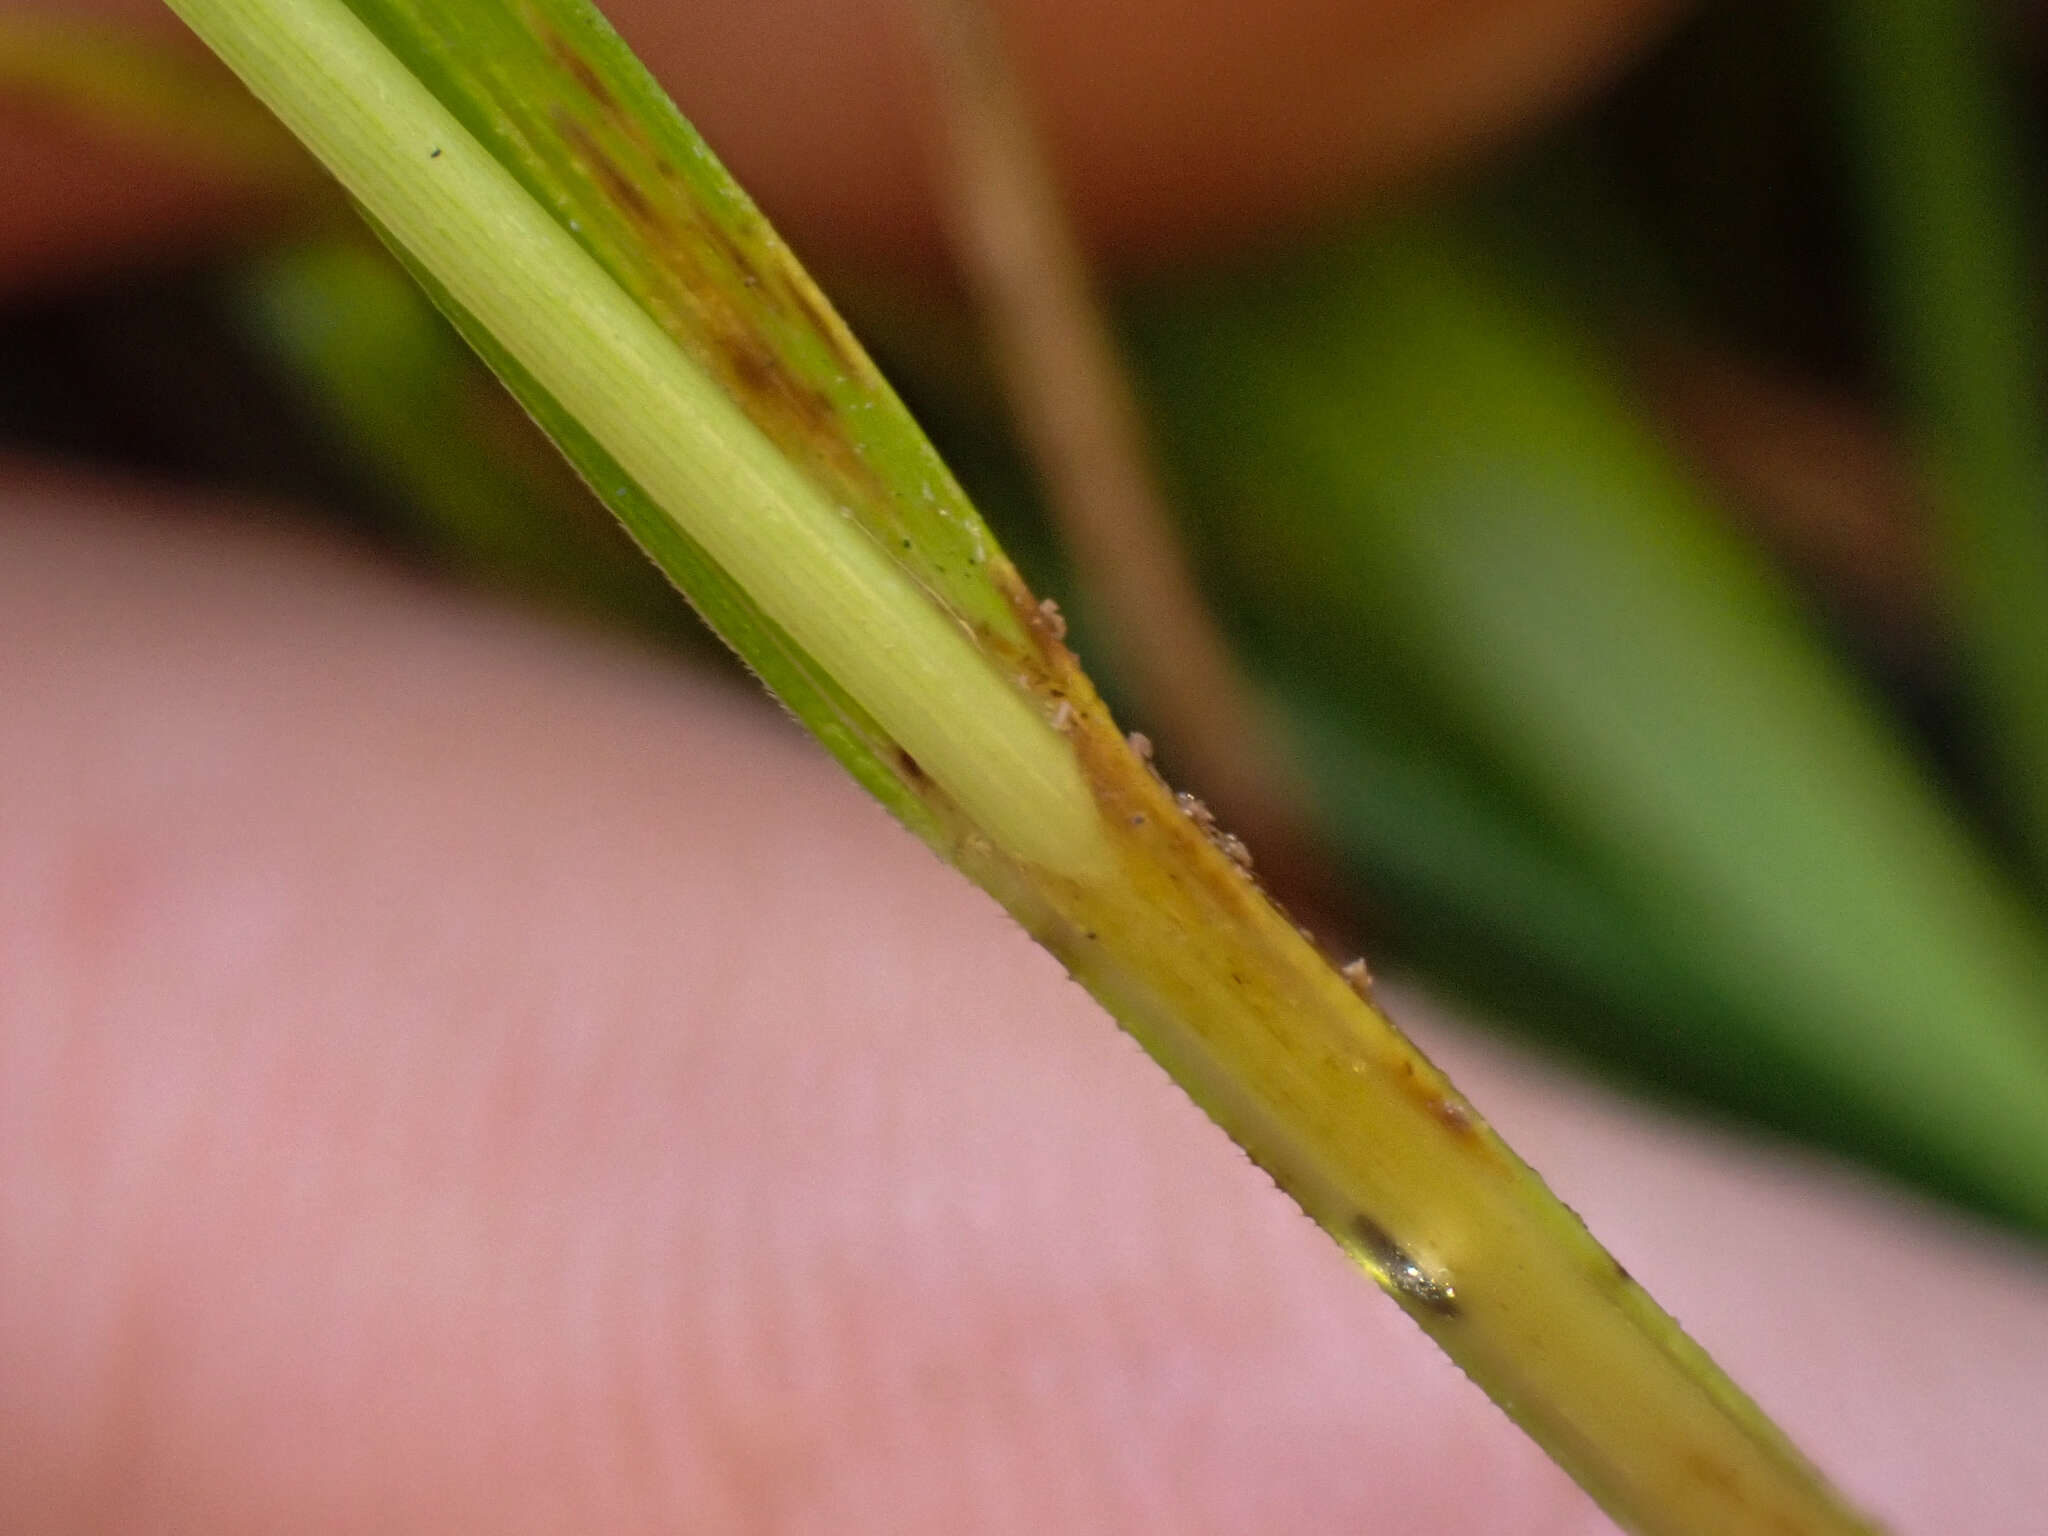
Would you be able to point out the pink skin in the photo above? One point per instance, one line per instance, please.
(456, 1074)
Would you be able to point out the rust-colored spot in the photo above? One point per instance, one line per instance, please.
(577, 67)
(620, 189)
(751, 370)
(808, 408)
(1049, 665)
(1453, 1116)
(911, 768)
(617, 186)
(1442, 1103)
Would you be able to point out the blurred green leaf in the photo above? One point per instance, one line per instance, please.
(1952, 219)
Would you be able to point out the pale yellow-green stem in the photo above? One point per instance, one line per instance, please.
(1020, 776)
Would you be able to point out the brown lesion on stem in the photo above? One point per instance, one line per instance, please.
(715, 276)
(578, 67)
(719, 336)
(1433, 1093)
(1454, 1115)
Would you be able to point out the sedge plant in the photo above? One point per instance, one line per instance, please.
(588, 244)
